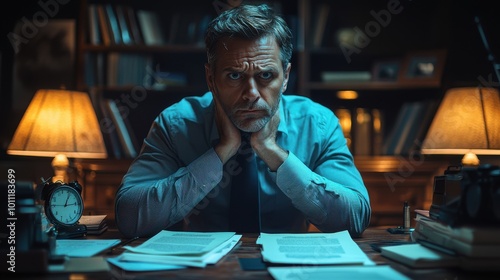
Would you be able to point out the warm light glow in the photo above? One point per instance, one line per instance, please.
(470, 159)
(59, 122)
(347, 94)
(468, 120)
(344, 116)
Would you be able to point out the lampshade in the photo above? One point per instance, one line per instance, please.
(59, 122)
(467, 121)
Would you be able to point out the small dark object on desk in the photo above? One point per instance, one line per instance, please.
(406, 222)
(121, 244)
(400, 230)
(252, 264)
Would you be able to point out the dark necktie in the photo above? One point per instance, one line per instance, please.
(244, 205)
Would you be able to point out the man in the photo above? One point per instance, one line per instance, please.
(187, 172)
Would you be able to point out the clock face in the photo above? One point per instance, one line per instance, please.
(64, 206)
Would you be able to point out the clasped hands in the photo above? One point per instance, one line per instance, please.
(263, 142)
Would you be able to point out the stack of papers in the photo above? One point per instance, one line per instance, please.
(321, 256)
(95, 224)
(312, 249)
(195, 249)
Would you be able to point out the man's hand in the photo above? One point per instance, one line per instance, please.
(230, 137)
(264, 143)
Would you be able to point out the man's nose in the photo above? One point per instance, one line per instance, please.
(251, 92)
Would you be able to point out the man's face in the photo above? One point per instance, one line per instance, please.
(248, 80)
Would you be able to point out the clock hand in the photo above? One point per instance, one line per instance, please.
(66, 203)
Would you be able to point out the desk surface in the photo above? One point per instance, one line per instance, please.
(228, 267)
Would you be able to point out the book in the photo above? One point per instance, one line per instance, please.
(123, 25)
(418, 256)
(345, 120)
(103, 24)
(109, 132)
(96, 224)
(150, 25)
(442, 241)
(363, 132)
(466, 233)
(322, 14)
(407, 134)
(94, 29)
(113, 24)
(378, 124)
(427, 117)
(345, 76)
(135, 31)
(420, 213)
(396, 130)
(444, 237)
(121, 128)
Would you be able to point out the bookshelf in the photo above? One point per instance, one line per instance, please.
(173, 46)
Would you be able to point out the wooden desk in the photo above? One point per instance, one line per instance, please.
(228, 267)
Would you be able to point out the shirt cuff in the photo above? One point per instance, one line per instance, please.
(207, 169)
(293, 175)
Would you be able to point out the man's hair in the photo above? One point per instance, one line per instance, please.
(249, 22)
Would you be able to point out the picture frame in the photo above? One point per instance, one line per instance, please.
(386, 70)
(422, 68)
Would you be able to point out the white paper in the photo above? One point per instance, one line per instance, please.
(194, 260)
(336, 272)
(83, 247)
(312, 248)
(142, 266)
(181, 243)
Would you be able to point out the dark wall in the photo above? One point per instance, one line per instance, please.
(11, 45)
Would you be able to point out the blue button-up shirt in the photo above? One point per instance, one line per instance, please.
(178, 177)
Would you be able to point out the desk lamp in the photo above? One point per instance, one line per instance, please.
(466, 123)
(59, 124)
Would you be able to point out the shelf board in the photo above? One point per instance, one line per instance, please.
(368, 85)
(145, 48)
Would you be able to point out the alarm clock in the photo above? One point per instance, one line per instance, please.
(64, 207)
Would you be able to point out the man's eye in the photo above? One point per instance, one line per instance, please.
(234, 76)
(266, 75)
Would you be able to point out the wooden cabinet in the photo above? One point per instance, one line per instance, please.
(100, 180)
(390, 181)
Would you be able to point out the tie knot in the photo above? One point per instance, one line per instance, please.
(245, 136)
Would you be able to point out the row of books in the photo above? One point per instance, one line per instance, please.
(119, 69)
(410, 127)
(120, 24)
(126, 113)
(470, 247)
(118, 134)
(367, 133)
(95, 224)
(362, 129)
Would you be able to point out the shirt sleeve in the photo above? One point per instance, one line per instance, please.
(155, 193)
(331, 194)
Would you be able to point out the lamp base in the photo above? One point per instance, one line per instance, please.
(470, 159)
(60, 163)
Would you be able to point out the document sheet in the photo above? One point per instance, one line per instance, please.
(312, 249)
(336, 272)
(196, 249)
(83, 248)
